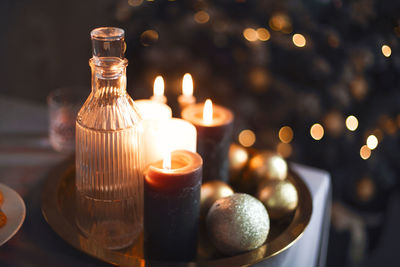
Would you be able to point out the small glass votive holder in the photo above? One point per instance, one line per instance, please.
(63, 106)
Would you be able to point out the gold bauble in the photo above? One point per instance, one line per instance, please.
(237, 223)
(238, 158)
(210, 192)
(279, 197)
(268, 166)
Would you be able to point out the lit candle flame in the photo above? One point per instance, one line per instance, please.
(158, 89)
(167, 160)
(208, 112)
(187, 85)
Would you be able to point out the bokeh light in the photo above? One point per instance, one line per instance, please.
(201, 17)
(263, 34)
(372, 142)
(333, 40)
(386, 50)
(284, 149)
(299, 40)
(149, 37)
(247, 138)
(317, 131)
(388, 125)
(260, 79)
(351, 123)
(365, 152)
(365, 188)
(334, 123)
(286, 134)
(135, 2)
(280, 22)
(250, 34)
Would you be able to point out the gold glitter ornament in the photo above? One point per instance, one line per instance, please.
(238, 158)
(237, 223)
(210, 192)
(279, 197)
(268, 166)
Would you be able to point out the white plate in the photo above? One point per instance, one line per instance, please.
(14, 208)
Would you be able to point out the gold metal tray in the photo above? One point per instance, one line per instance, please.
(58, 208)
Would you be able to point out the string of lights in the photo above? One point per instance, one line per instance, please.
(315, 81)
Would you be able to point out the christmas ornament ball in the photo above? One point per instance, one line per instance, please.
(279, 197)
(237, 223)
(267, 166)
(210, 192)
(238, 158)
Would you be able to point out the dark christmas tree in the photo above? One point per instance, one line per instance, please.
(293, 72)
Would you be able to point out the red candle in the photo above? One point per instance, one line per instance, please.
(172, 207)
(214, 126)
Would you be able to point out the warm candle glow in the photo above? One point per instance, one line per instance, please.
(158, 89)
(187, 85)
(208, 112)
(167, 160)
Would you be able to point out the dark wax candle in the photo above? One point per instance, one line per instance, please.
(172, 207)
(213, 139)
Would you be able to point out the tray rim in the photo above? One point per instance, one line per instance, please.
(56, 220)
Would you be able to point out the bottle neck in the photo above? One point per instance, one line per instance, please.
(108, 76)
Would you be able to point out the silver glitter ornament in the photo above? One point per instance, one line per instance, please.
(237, 223)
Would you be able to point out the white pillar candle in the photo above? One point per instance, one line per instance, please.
(153, 114)
(162, 132)
(168, 135)
(153, 110)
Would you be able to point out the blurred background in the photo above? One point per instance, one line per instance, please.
(316, 80)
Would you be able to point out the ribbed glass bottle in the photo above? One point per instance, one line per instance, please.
(108, 162)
